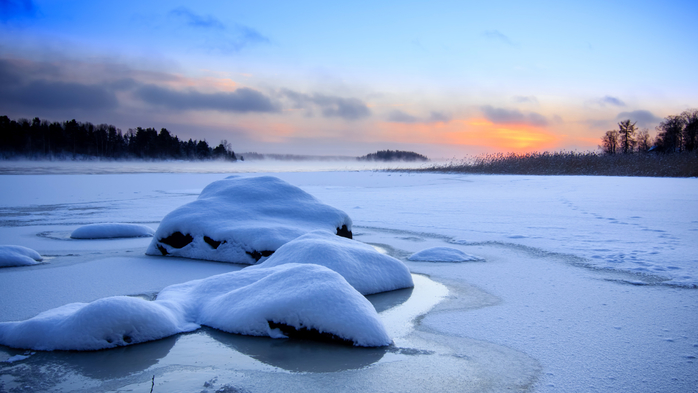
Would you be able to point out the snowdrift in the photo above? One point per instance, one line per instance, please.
(111, 230)
(442, 254)
(292, 299)
(364, 268)
(243, 220)
(18, 256)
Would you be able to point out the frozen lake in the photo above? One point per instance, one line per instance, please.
(582, 283)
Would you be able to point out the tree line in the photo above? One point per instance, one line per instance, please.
(41, 139)
(676, 133)
(393, 155)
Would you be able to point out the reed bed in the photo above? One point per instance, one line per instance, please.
(575, 163)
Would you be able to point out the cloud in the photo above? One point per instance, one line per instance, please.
(228, 38)
(17, 9)
(330, 106)
(610, 101)
(643, 118)
(439, 117)
(497, 35)
(525, 99)
(243, 100)
(513, 116)
(398, 116)
(20, 89)
(195, 20)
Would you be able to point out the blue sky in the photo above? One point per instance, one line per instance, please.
(443, 78)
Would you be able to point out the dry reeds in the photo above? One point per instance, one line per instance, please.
(575, 163)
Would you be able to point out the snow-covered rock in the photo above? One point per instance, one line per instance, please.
(274, 302)
(18, 256)
(243, 219)
(442, 254)
(111, 230)
(367, 270)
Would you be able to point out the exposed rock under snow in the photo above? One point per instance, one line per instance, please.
(367, 270)
(274, 302)
(243, 220)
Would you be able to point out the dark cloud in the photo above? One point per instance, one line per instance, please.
(497, 35)
(330, 106)
(608, 100)
(243, 100)
(195, 20)
(19, 89)
(643, 118)
(513, 116)
(17, 9)
(398, 116)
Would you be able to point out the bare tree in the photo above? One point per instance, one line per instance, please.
(627, 139)
(644, 142)
(690, 130)
(669, 133)
(610, 142)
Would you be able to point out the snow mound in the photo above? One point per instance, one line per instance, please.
(364, 268)
(18, 256)
(293, 299)
(442, 254)
(242, 220)
(108, 231)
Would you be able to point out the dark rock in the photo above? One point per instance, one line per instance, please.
(308, 334)
(177, 240)
(257, 255)
(163, 250)
(344, 232)
(211, 242)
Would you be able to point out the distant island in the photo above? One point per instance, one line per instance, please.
(393, 155)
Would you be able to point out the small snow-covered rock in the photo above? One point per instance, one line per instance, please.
(242, 220)
(111, 230)
(18, 256)
(273, 302)
(367, 270)
(442, 254)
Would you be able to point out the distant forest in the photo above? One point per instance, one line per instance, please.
(42, 139)
(393, 155)
(675, 134)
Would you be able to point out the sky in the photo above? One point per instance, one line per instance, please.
(446, 79)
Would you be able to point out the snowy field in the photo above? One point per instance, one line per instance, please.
(561, 284)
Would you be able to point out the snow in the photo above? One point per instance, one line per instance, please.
(243, 302)
(557, 305)
(367, 270)
(242, 219)
(442, 254)
(111, 230)
(18, 256)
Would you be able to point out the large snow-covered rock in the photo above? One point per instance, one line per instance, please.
(367, 270)
(275, 302)
(18, 256)
(242, 220)
(442, 254)
(111, 230)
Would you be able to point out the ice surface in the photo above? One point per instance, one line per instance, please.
(554, 309)
(442, 254)
(18, 256)
(367, 270)
(111, 230)
(243, 219)
(302, 296)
